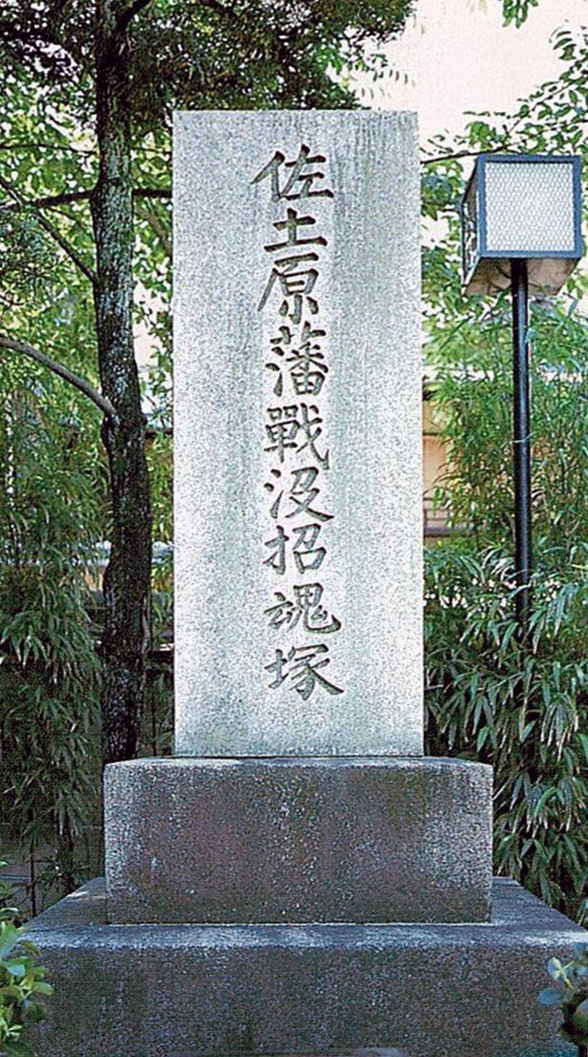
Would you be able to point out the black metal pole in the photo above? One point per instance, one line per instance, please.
(521, 442)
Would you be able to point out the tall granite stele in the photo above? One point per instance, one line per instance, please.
(347, 876)
(299, 791)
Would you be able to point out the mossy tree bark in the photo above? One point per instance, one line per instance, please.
(127, 577)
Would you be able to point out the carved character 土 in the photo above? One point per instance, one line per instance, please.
(301, 666)
(290, 225)
(297, 175)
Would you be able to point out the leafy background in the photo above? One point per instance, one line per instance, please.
(522, 711)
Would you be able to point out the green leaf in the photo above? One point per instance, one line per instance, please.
(9, 937)
(549, 997)
(42, 988)
(555, 968)
(579, 1019)
(16, 968)
(18, 1049)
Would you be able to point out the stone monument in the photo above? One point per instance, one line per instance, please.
(299, 875)
(299, 792)
(297, 436)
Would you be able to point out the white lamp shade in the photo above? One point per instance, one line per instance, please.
(522, 206)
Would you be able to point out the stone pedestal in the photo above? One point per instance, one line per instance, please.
(248, 990)
(336, 840)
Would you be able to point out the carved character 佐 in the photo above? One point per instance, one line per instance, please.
(301, 173)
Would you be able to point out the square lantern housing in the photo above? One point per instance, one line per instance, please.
(525, 206)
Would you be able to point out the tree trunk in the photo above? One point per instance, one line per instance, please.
(127, 576)
(66, 859)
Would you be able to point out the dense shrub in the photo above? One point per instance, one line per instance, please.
(49, 746)
(522, 708)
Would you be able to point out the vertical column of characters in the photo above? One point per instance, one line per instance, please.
(297, 458)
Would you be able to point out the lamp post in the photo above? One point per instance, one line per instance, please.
(521, 228)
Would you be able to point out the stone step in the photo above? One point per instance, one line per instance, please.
(193, 990)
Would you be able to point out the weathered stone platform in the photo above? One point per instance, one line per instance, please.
(298, 840)
(186, 990)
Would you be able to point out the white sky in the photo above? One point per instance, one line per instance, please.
(459, 56)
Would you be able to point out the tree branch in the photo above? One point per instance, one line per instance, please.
(464, 154)
(66, 246)
(157, 226)
(39, 145)
(128, 15)
(74, 379)
(217, 7)
(49, 201)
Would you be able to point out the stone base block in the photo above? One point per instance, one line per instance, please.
(188, 990)
(298, 840)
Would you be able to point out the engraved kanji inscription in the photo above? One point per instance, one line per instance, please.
(290, 226)
(305, 365)
(295, 283)
(306, 556)
(285, 184)
(301, 666)
(295, 432)
(299, 496)
(296, 427)
(305, 608)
